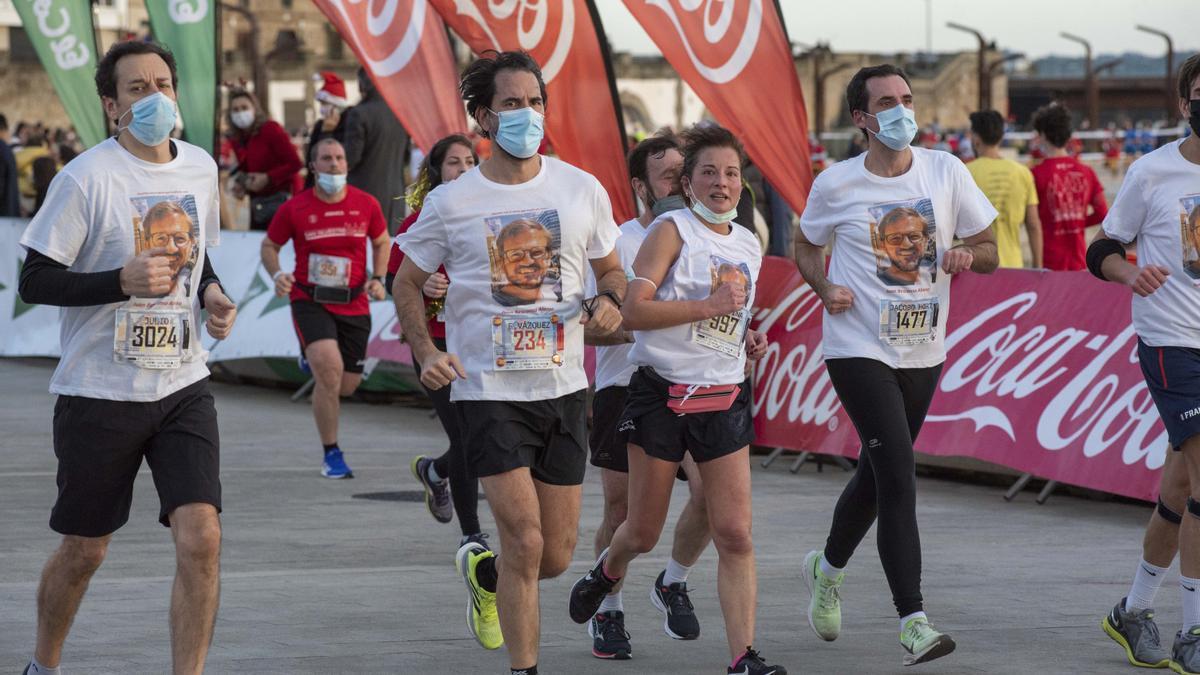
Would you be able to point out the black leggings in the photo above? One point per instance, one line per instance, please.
(887, 406)
(464, 489)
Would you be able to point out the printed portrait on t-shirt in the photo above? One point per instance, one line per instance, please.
(726, 271)
(523, 252)
(169, 222)
(903, 236)
(1189, 226)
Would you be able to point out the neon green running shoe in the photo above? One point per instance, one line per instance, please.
(825, 601)
(923, 642)
(482, 619)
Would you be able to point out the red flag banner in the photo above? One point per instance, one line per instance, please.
(738, 61)
(403, 45)
(1030, 382)
(583, 118)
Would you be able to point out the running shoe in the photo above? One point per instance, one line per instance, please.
(825, 598)
(923, 642)
(679, 616)
(335, 465)
(588, 593)
(478, 538)
(437, 493)
(482, 620)
(1137, 633)
(609, 639)
(1185, 655)
(752, 663)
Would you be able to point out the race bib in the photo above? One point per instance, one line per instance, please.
(152, 338)
(908, 322)
(328, 270)
(725, 334)
(528, 341)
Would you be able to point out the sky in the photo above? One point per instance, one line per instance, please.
(890, 26)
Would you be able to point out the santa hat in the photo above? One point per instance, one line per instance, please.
(333, 89)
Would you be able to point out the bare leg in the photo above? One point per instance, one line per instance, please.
(1189, 531)
(514, 502)
(691, 532)
(616, 506)
(1161, 542)
(650, 484)
(197, 590)
(727, 487)
(560, 526)
(330, 382)
(64, 581)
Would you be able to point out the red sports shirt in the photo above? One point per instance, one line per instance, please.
(1066, 187)
(342, 229)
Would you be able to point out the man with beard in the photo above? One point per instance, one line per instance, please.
(168, 226)
(902, 234)
(525, 248)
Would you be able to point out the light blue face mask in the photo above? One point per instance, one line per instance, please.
(897, 127)
(153, 119)
(331, 183)
(708, 214)
(520, 132)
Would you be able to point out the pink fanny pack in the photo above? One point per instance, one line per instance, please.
(695, 398)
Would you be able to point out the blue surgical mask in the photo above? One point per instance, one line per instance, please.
(668, 203)
(712, 216)
(520, 131)
(897, 127)
(153, 119)
(331, 183)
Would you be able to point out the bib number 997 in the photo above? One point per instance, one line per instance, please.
(726, 324)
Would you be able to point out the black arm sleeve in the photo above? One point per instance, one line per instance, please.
(45, 281)
(208, 276)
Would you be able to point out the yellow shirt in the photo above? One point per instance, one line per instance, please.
(1009, 187)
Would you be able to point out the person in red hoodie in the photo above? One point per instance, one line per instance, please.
(447, 477)
(1066, 187)
(268, 164)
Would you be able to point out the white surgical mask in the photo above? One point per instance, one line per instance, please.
(708, 214)
(242, 119)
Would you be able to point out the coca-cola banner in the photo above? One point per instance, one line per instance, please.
(583, 118)
(737, 58)
(403, 45)
(1041, 376)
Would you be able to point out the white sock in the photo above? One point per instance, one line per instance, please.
(36, 668)
(915, 615)
(829, 570)
(1190, 588)
(676, 573)
(612, 603)
(432, 473)
(1146, 581)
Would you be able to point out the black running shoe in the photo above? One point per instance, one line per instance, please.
(609, 639)
(680, 622)
(478, 538)
(752, 664)
(589, 592)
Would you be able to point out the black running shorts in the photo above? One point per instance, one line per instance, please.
(100, 445)
(549, 437)
(609, 446)
(313, 322)
(666, 435)
(1173, 378)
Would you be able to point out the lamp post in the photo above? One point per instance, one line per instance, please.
(1091, 86)
(819, 76)
(258, 67)
(1172, 114)
(984, 82)
(991, 74)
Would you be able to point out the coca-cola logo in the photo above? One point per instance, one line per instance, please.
(795, 384)
(718, 53)
(378, 18)
(542, 28)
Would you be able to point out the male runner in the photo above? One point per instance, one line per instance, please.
(132, 381)
(329, 224)
(655, 165)
(1153, 207)
(516, 365)
(1009, 186)
(884, 331)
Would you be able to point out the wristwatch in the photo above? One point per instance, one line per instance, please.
(611, 296)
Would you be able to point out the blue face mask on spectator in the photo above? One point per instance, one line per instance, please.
(153, 119)
(897, 127)
(520, 131)
(331, 183)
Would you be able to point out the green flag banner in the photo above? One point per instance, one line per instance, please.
(189, 29)
(63, 36)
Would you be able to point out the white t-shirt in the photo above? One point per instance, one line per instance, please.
(94, 219)
(712, 351)
(518, 256)
(613, 367)
(1159, 206)
(889, 238)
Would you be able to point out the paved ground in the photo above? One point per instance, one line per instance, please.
(316, 580)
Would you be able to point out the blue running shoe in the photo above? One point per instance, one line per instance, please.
(302, 364)
(335, 465)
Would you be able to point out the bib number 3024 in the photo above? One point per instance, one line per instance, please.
(153, 339)
(908, 322)
(527, 341)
